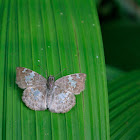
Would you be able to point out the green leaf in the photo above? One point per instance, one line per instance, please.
(124, 105)
(54, 35)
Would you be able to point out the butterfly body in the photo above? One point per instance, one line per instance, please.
(50, 83)
(41, 93)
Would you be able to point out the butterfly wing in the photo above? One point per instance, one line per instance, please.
(61, 101)
(35, 97)
(26, 78)
(74, 83)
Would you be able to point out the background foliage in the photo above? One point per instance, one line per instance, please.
(120, 30)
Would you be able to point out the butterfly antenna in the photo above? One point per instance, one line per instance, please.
(43, 70)
(60, 72)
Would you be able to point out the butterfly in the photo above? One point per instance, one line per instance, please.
(41, 93)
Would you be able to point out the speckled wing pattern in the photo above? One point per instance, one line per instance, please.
(64, 90)
(60, 99)
(35, 97)
(26, 78)
(74, 83)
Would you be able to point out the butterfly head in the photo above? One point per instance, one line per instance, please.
(51, 80)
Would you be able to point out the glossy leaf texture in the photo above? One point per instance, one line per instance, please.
(55, 35)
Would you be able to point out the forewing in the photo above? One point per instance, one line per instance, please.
(61, 101)
(35, 97)
(26, 78)
(74, 83)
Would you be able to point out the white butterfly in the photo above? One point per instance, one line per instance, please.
(41, 93)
